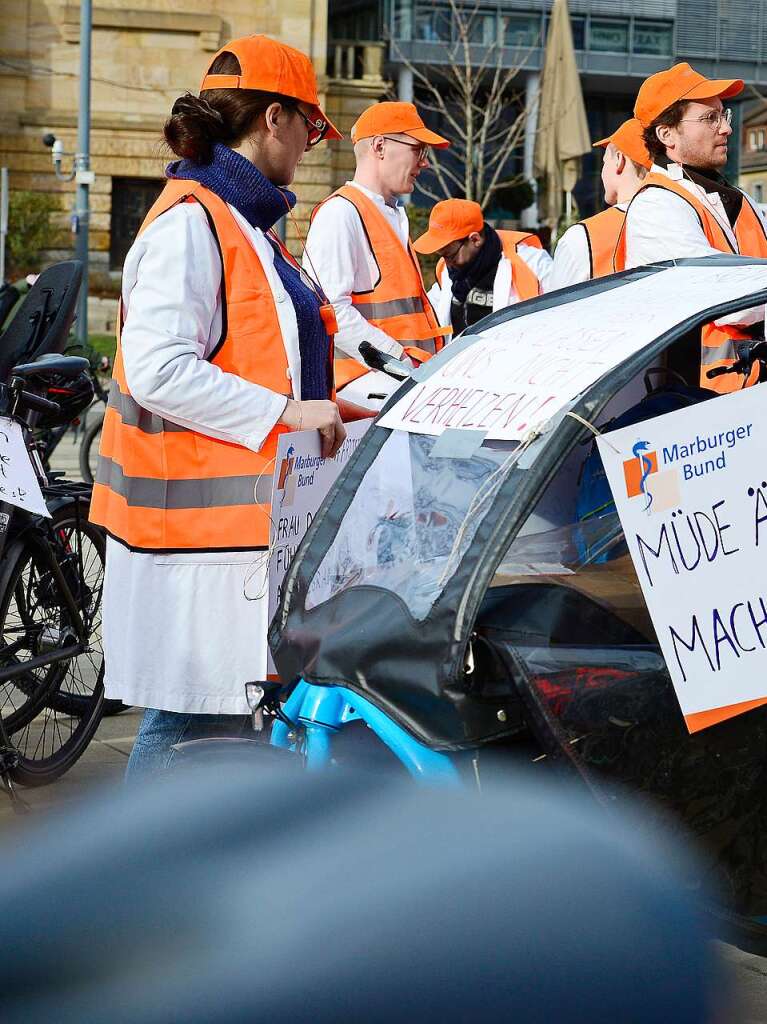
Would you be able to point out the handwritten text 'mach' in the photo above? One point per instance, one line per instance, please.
(685, 543)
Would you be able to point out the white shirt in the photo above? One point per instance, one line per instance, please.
(179, 632)
(339, 257)
(662, 226)
(572, 262)
(504, 292)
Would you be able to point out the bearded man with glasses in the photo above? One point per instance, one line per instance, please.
(358, 248)
(686, 208)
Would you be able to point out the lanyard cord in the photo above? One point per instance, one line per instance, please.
(313, 282)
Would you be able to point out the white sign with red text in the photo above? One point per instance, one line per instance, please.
(518, 374)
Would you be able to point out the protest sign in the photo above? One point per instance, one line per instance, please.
(518, 374)
(302, 480)
(19, 484)
(691, 492)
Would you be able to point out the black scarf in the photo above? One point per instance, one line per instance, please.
(712, 181)
(483, 265)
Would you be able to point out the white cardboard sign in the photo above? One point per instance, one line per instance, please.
(19, 484)
(691, 492)
(302, 480)
(517, 375)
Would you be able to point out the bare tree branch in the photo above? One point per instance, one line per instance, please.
(478, 101)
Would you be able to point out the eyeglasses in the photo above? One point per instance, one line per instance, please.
(422, 149)
(316, 128)
(456, 247)
(714, 119)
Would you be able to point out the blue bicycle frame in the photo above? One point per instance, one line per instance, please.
(319, 713)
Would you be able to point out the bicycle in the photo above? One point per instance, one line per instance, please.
(51, 569)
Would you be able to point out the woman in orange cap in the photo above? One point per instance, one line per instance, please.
(223, 345)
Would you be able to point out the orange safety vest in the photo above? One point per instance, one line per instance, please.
(397, 303)
(526, 284)
(718, 344)
(602, 232)
(163, 487)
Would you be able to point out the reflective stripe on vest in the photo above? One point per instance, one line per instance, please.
(160, 486)
(602, 233)
(397, 303)
(215, 492)
(718, 346)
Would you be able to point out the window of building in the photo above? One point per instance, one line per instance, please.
(609, 36)
(432, 24)
(131, 199)
(483, 27)
(522, 30)
(756, 139)
(758, 192)
(653, 37)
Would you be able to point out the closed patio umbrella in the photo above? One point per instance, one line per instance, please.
(563, 134)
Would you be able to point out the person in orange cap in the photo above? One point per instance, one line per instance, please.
(223, 346)
(358, 246)
(480, 269)
(686, 208)
(586, 249)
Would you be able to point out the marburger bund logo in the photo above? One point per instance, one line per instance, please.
(654, 476)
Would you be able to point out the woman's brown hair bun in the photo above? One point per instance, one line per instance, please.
(194, 126)
(197, 123)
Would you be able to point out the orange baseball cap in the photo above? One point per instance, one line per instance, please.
(390, 117)
(270, 66)
(450, 220)
(628, 140)
(681, 82)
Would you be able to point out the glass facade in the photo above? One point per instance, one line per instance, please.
(527, 29)
(609, 36)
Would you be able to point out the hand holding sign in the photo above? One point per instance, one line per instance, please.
(316, 415)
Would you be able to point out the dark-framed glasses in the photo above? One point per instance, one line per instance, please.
(452, 251)
(422, 148)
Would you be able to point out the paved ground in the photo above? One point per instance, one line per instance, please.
(104, 763)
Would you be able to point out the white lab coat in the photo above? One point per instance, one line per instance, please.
(662, 226)
(180, 634)
(572, 263)
(504, 293)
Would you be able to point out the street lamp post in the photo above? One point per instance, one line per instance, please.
(81, 167)
(83, 174)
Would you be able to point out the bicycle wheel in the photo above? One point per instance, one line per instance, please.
(89, 449)
(51, 713)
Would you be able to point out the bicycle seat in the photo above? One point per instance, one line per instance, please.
(68, 367)
(42, 321)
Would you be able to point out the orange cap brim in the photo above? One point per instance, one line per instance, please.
(721, 87)
(426, 136)
(435, 239)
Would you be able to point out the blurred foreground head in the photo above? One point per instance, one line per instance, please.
(312, 899)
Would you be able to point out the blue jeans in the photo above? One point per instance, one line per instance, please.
(160, 730)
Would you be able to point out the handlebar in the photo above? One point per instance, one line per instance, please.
(754, 352)
(378, 360)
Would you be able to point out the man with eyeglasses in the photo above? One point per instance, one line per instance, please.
(480, 269)
(686, 208)
(358, 247)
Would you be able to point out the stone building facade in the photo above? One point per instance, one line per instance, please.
(143, 57)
